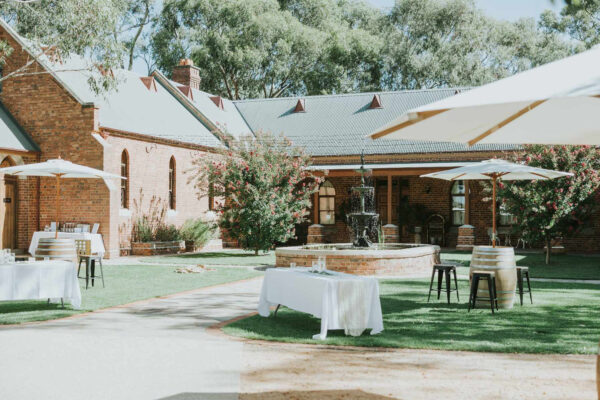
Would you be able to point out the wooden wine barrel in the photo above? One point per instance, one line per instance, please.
(56, 249)
(500, 260)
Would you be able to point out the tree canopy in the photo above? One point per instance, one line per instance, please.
(269, 48)
(263, 186)
(556, 208)
(272, 48)
(64, 27)
(433, 43)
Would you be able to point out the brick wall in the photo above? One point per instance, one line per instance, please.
(149, 179)
(61, 126)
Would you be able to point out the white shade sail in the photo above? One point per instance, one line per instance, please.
(62, 169)
(556, 103)
(505, 170)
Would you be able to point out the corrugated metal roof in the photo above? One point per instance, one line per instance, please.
(12, 136)
(135, 108)
(338, 124)
(229, 120)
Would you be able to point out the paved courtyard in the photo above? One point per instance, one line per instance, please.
(164, 349)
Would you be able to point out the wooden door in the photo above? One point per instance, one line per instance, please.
(8, 213)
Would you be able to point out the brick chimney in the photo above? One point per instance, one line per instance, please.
(186, 74)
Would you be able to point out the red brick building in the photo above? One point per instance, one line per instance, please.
(143, 131)
(152, 128)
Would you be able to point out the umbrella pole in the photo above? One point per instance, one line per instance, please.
(494, 177)
(57, 203)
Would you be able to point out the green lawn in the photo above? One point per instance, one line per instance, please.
(124, 284)
(564, 318)
(564, 266)
(225, 257)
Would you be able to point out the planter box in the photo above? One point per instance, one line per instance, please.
(211, 245)
(156, 248)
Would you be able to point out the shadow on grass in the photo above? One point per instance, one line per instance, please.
(7, 307)
(563, 319)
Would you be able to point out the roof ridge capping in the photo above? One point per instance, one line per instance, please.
(386, 92)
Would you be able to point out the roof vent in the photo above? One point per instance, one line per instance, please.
(53, 54)
(187, 91)
(218, 100)
(149, 82)
(376, 102)
(300, 106)
(105, 72)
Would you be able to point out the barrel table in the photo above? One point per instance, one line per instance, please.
(56, 249)
(501, 261)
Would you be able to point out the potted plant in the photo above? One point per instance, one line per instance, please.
(196, 233)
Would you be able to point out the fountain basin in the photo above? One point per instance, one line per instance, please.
(397, 259)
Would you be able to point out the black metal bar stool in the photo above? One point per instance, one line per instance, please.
(443, 271)
(84, 254)
(523, 271)
(490, 277)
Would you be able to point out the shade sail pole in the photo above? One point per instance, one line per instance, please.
(494, 177)
(57, 203)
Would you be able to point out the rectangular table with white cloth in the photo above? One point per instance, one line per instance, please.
(40, 280)
(97, 244)
(341, 301)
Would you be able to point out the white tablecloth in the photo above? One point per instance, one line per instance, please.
(318, 295)
(40, 280)
(97, 244)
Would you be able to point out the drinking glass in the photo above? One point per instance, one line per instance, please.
(322, 264)
(315, 266)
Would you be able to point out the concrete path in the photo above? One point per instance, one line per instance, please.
(150, 350)
(161, 349)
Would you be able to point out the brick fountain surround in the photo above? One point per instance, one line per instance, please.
(400, 259)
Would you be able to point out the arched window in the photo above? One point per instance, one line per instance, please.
(327, 204)
(172, 181)
(458, 202)
(125, 182)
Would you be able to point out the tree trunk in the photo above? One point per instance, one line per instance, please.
(548, 249)
(256, 252)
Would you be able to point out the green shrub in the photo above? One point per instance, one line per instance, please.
(198, 231)
(166, 233)
(142, 230)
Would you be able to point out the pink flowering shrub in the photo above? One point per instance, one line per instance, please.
(263, 187)
(550, 209)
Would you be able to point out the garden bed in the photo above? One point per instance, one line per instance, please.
(157, 248)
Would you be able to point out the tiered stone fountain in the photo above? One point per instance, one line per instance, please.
(362, 257)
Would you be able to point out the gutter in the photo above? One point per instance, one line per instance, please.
(153, 139)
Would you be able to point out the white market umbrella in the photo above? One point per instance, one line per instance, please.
(556, 103)
(493, 170)
(60, 169)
